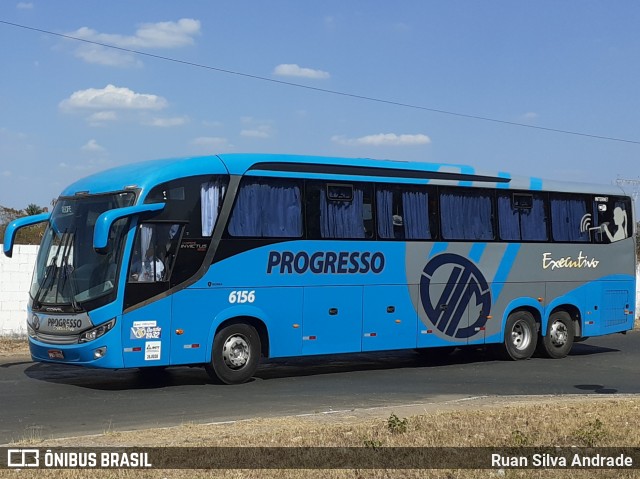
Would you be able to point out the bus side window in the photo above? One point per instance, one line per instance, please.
(466, 214)
(569, 218)
(154, 252)
(522, 216)
(267, 208)
(403, 212)
(340, 211)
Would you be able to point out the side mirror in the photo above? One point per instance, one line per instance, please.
(15, 225)
(106, 220)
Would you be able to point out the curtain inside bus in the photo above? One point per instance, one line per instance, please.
(342, 219)
(466, 216)
(268, 209)
(521, 223)
(566, 217)
(415, 206)
(211, 193)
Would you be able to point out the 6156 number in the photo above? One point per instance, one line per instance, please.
(242, 297)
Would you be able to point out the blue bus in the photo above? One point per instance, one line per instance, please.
(223, 260)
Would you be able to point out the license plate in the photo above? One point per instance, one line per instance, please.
(55, 354)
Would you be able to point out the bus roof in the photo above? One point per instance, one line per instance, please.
(145, 175)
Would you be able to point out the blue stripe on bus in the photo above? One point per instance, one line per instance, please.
(437, 249)
(535, 184)
(467, 170)
(502, 174)
(508, 258)
(476, 252)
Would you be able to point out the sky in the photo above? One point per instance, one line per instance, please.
(255, 76)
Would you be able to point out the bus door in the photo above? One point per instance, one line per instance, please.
(146, 322)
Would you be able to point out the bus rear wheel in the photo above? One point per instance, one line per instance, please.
(520, 336)
(558, 341)
(235, 355)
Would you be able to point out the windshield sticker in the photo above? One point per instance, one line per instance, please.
(152, 350)
(581, 262)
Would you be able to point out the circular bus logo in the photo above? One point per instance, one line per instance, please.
(446, 299)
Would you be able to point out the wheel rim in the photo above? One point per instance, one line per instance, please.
(236, 351)
(559, 334)
(521, 335)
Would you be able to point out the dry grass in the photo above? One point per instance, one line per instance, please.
(13, 346)
(492, 422)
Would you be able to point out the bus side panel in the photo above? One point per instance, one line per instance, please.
(146, 335)
(618, 307)
(509, 297)
(332, 319)
(605, 306)
(389, 318)
(199, 312)
(448, 317)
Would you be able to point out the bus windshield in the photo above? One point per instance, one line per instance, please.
(68, 270)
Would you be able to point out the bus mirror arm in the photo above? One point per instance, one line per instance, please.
(15, 225)
(106, 220)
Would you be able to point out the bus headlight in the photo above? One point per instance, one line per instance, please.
(30, 331)
(96, 332)
(33, 326)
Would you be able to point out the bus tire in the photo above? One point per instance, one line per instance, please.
(560, 335)
(235, 355)
(520, 336)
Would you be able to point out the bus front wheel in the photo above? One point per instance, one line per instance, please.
(520, 336)
(235, 355)
(558, 341)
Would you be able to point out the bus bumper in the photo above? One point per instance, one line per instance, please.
(104, 352)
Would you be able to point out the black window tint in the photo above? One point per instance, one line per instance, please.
(466, 215)
(570, 220)
(267, 208)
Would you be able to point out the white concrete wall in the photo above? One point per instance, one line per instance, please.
(15, 280)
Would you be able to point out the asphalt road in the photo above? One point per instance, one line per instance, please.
(49, 400)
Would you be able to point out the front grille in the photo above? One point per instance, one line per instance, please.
(58, 339)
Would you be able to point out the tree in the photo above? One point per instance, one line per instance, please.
(30, 235)
(33, 209)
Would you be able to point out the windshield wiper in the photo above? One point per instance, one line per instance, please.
(66, 271)
(50, 274)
